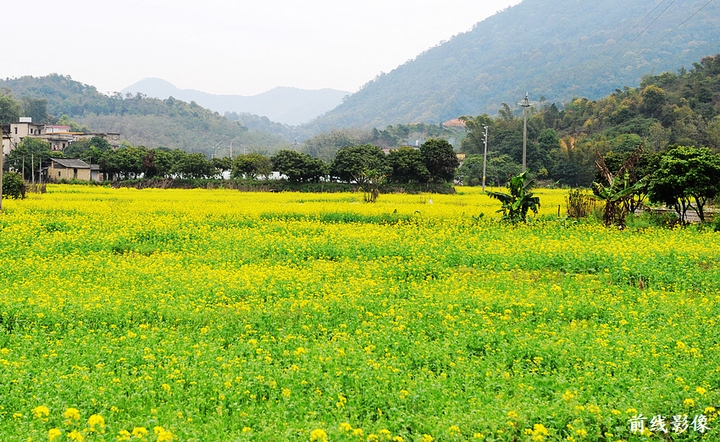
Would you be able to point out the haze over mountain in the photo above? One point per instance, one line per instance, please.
(145, 121)
(556, 49)
(286, 105)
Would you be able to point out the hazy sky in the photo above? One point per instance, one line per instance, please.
(230, 47)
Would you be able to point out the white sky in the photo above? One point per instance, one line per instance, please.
(229, 47)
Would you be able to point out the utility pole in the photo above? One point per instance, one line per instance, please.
(485, 157)
(525, 105)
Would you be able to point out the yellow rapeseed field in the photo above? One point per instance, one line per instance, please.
(199, 315)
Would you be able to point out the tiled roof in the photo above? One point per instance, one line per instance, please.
(72, 162)
(455, 123)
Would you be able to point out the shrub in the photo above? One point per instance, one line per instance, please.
(579, 203)
(13, 186)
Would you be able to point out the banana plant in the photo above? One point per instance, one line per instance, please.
(619, 192)
(519, 201)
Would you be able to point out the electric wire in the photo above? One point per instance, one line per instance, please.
(630, 30)
(675, 28)
(645, 29)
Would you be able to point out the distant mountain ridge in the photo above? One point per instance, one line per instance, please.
(286, 105)
(557, 49)
(146, 121)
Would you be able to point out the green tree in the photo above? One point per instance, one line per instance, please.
(194, 165)
(77, 149)
(653, 100)
(10, 109)
(369, 182)
(299, 167)
(626, 143)
(36, 108)
(351, 161)
(474, 141)
(500, 169)
(407, 166)
(686, 175)
(126, 161)
(13, 186)
(74, 127)
(326, 145)
(251, 166)
(30, 156)
(157, 163)
(221, 164)
(440, 160)
(471, 170)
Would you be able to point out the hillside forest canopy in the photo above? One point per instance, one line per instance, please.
(669, 109)
(559, 49)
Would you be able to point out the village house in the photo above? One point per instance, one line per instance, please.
(69, 169)
(59, 137)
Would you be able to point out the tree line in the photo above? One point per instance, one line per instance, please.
(434, 161)
(669, 109)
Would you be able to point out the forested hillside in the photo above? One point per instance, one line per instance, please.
(671, 108)
(142, 121)
(556, 49)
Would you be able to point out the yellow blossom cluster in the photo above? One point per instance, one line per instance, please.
(259, 316)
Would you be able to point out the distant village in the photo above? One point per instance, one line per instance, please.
(59, 138)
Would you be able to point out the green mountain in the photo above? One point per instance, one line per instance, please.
(140, 120)
(667, 109)
(554, 49)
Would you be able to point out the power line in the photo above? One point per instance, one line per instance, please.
(630, 30)
(645, 29)
(675, 28)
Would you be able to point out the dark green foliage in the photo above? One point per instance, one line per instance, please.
(251, 166)
(10, 109)
(474, 141)
(90, 151)
(500, 169)
(351, 161)
(130, 162)
(470, 172)
(30, 156)
(369, 182)
(13, 186)
(407, 166)
(440, 160)
(36, 108)
(299, 167)
(222, 164)
(326, 145)
(520, 200)
(125, 162)
(194, 166)
(686, 178)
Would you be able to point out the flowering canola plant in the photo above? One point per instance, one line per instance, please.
(195, 315)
